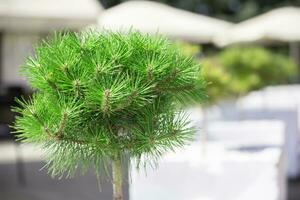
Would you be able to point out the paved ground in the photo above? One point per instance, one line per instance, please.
(294, 190)
(37, 185)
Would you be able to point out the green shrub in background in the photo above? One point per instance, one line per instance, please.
(236, 71)
(251, 68)
(219, 81)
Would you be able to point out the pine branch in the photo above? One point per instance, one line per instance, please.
(106, 98)
(52, 85)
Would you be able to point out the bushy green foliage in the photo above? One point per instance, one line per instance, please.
(219, 81)
(236, 71)
(102, 95)
(252, 68)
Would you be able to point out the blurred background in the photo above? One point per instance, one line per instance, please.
(247, 144)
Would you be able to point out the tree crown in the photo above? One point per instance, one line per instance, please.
(98, 94)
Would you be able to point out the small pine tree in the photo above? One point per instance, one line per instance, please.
(101, 96)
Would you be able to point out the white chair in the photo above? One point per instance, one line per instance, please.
(225, 171)
(276, 102)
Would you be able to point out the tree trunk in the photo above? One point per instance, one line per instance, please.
(117, 178)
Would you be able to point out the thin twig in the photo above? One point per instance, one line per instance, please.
(106, 101)
(59, 132)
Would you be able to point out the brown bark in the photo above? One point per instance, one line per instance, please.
(117, 178)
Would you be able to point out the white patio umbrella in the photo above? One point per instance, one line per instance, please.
(151, 17)
(278, 25)
(45, 15)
